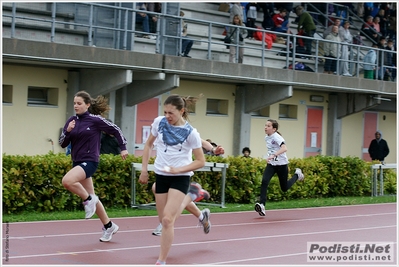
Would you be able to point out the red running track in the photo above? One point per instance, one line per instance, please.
(239, 238)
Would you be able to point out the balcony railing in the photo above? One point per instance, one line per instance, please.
(113, 26)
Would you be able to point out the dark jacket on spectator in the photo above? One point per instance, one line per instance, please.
(378, 149)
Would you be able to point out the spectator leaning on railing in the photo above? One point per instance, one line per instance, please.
(237, 34)
(346, 38)
(327, 31)
(236, 9)
(369, 62)
(332, 51)
(186, 43)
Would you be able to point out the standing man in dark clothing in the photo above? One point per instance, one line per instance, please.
(306, 24)
(378, 148)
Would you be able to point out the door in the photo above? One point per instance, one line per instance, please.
(314, 131)
(147, 111)
(369, 129)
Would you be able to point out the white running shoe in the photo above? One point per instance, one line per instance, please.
(300, 174)
(158, 230)
(90, 206)
(206, 223)
(260, 208)
(107, 233)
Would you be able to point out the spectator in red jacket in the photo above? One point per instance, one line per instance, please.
(280, 22)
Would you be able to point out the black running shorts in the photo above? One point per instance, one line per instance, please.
(164, 183)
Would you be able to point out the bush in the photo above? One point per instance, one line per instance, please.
(34, 183)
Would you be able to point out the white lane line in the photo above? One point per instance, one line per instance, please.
(207, 242)
(233, 212)
(213, 225)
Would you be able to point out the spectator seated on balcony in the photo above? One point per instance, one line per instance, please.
(143, 18)
(284, 5)
(153, 19)
(280, 22)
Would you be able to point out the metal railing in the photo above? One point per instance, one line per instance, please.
(377, 177)
(114, 26)
(350, 15)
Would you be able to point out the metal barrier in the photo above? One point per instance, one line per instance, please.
(374, 178)
(209, 166)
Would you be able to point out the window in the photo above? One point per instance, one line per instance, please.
(42, 96)
(216, 107)
(288, 111)
(7, 94)
(263, 112)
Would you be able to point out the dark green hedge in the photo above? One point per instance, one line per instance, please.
(33, 183)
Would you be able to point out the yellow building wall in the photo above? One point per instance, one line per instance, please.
(26, 129)
(218, 128)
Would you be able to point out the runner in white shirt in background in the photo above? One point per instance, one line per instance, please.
(277, 162)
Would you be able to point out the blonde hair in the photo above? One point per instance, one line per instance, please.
(239, 20)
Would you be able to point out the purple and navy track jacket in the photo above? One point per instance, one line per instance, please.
(85, 138)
